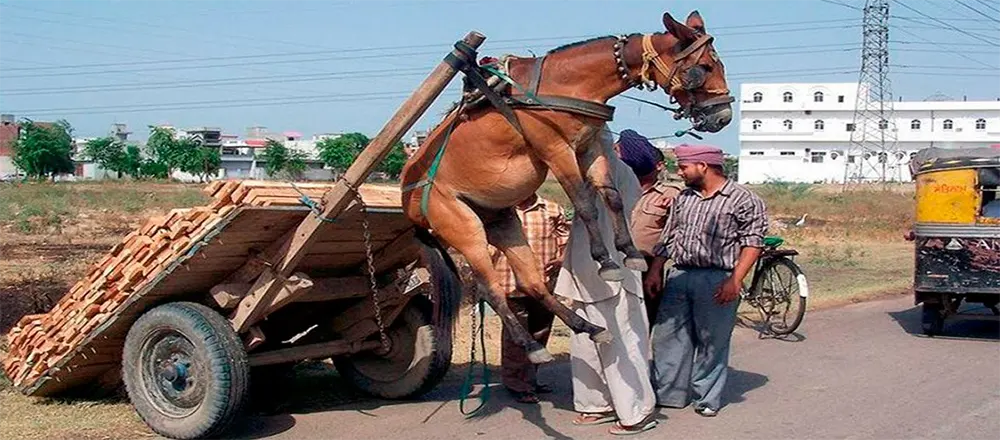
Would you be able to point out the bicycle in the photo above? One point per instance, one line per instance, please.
(778, 285)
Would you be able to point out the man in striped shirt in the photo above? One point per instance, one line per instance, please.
(714, 235)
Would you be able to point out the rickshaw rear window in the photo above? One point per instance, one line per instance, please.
(989, 184)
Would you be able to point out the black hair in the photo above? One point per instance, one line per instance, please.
(718, 169)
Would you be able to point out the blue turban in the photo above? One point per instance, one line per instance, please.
(637, 152)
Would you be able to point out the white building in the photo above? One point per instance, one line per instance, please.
(798, 132)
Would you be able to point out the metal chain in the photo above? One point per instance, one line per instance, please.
(371, 265)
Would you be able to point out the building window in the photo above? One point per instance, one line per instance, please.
(852, 159)
(756, 153)
(787, 97)
(818, 97)
(915, 124)
(788, 124)
(840, 98)
(850, 127)
(980, 124)
(817, 156)
(787, 153)
(883, 157)
(818, 125)
(883, 124)
(756, 124)
(948, 125)
(758, 97)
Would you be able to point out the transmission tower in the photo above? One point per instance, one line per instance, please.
(873, 154)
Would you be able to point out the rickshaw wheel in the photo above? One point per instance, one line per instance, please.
(185, 370)
(932, 320)
(417, 359)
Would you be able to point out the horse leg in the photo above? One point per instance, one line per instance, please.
(583, 196)
(594, 166)
(453, 222)
(507, 235)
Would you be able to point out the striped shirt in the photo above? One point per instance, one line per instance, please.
(546, 229)
(709, 232)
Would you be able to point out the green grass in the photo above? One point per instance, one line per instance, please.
(30, 208)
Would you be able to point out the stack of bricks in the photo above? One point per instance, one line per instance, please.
(39, 342)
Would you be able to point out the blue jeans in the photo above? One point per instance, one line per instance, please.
(690, 339)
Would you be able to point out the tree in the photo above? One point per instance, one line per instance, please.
(283, 160)
(108, 153)
(165, 149)
(198, 160)
(339, 153)
(394, 161)
(731, 167)
(44, 150)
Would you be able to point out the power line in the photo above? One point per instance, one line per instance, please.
(942, 45)
(835, 2)
(976, 10)
(948, 25)
(988, 6)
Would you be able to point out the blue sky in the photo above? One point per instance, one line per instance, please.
(244, 63)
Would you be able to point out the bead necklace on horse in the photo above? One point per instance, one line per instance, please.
(498, 155)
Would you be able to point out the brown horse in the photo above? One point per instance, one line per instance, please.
(492, 163)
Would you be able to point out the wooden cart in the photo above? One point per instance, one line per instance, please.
(186, 305)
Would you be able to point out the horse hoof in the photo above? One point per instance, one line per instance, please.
(611, 273)
(540, 356)
(601, 337)
(636, 263)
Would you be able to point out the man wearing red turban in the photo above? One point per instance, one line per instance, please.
(714, 235)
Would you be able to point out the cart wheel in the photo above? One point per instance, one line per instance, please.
(416, 362)
(932, 320)
(185, 370)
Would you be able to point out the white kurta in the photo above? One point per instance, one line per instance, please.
(612, 376)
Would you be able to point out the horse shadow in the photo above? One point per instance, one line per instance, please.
(955, 327)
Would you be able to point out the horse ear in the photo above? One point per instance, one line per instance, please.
(694, 21)
(678, 29)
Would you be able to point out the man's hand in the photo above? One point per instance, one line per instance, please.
(727, 291)
(652, 283)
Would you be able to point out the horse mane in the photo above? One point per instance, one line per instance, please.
(587, 41)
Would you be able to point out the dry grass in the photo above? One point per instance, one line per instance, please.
(851, 249)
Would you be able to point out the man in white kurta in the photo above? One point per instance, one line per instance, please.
(610, 381)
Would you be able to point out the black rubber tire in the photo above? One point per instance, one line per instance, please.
(415, 364)
(931, 319)
(218, 362)
(796, 271)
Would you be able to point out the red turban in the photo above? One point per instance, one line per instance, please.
(699, 153)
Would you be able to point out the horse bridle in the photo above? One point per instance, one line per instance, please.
(693, 76)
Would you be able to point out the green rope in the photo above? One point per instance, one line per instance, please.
(467, 385)
(432, 171)
(511, 81)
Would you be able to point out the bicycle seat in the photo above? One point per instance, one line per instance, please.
(773, 241)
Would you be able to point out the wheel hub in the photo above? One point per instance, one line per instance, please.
(175, 373)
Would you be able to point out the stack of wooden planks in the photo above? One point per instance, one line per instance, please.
(38, 342)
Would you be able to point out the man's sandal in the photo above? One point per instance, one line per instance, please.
(588, 419)
(643, 426)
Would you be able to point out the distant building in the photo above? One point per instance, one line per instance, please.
(9, 132)
(801, 132)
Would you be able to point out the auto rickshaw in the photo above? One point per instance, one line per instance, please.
(957, 233)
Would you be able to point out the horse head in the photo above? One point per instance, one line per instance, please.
(685, 65)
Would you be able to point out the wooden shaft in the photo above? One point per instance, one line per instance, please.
(320, 350)
(254, 305)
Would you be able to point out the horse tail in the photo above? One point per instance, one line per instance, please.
(446, 291)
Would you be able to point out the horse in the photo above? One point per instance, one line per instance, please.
(498, 156)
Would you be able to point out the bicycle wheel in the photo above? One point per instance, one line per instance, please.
(781, 293)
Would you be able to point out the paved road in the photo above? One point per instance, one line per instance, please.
(861, 371)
